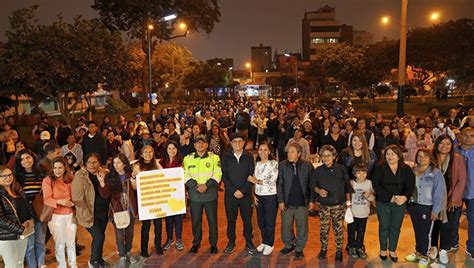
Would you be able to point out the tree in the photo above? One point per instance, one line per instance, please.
(204, 76)
(133, 18)
(63, 59)
(341, 61)
(444, 48)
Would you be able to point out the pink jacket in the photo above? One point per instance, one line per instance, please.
(412, 146)
(458, 180)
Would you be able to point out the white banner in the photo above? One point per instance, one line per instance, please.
(161, 193)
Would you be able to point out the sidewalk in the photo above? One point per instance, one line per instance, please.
(240, 258)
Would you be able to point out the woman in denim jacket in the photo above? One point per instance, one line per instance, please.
(427, 201)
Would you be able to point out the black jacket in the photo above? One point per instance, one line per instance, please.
(10, 228)
(96, 145)
(285, 178)
(334, 180)
(235, 174)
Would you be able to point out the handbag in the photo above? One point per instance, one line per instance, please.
(43, 212)
(348, 216)
(122, 218)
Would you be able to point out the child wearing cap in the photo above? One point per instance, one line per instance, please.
(361, 197)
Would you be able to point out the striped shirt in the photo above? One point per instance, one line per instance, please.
(32, 185)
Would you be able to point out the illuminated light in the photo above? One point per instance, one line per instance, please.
(183, 26)
(150, 27)
(167, 85)
(170, 17)
(248, 65)
(385, 20)
(435, 16)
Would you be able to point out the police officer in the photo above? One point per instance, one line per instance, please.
(202, 173)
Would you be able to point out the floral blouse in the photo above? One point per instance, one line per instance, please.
(268, 173)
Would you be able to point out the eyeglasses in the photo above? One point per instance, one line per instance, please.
(326, 155)
(6, 176)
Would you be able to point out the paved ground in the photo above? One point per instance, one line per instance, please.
(239, 258)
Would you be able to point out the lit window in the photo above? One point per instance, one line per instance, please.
(317, 40)
(331, 40)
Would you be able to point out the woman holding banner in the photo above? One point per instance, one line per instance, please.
(172, 159)
(118, 186)
(148, 162)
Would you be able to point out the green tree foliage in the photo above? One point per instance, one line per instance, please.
(203, 75)
(444, 48)
(133, 16)
(56, 60)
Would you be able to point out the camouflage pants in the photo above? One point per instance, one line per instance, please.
(336, 215)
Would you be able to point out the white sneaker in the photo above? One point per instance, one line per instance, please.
(268, 250)
(433, 253)
(413, 257)
(424, 262)
(443, 257)
(261, 247)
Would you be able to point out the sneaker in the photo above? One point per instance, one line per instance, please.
(168, 244)
(353, 253)
(443, 256)
(179, 245)
(424, 261)
(260, 248)
(433, 253)
(454, 248)
(268, 250)
(122, 262)
(413, 257)
(339, 256)
(131, 258)
(230, 247)
(93, 265)
(286, 250)
(250, 249)
(104, 264)
(299, 255)
(361, 253)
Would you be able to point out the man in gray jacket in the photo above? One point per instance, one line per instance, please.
(294, 198)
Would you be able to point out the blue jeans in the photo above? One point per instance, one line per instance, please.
(35, 249)
(470, 225)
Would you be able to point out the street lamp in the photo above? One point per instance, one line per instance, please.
(150, 28)
(249, 66)
(434, 16)
(296, 65)
(385, 20)
(402, 57)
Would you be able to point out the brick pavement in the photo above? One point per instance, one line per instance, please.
(240, 258)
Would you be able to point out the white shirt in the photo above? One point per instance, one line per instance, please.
(268, 173)
(360, 205)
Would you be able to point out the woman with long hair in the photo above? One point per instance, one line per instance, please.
(358, 152)
(266, 174)
(393, 182)
(146, 162)
(15, 217)
(336, 139)
(453, 167)
(218, 143)
(57, 193)
(425, 204)
(173, 159)
(417, 140)
(30, 177)
(117, 186)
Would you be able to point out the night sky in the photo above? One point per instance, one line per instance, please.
(271, 22)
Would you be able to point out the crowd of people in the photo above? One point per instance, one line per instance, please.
(289, 156)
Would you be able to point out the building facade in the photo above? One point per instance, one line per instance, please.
(261, 58)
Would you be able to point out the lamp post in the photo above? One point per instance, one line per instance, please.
(402, 58)
(296, 65)
(249, 66)
(149, 28)
(148, 37)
